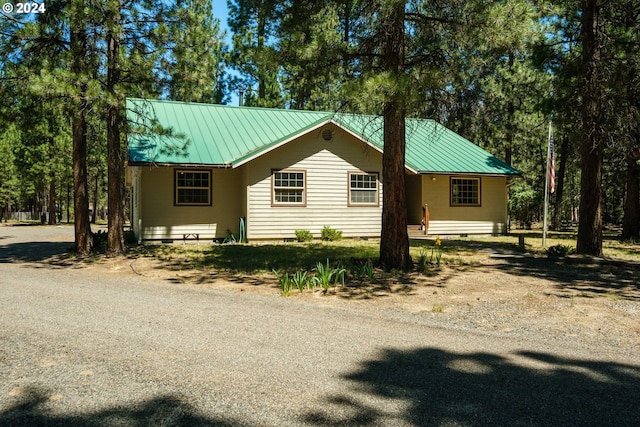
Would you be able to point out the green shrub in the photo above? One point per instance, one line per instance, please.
(422, 261)
(324, 275)
(558, 251)
(130, 238)
(361, 268)
(284, 282)
(301, 280)
(304, 236)
(330, 234)
(99, 241)
(524, 204)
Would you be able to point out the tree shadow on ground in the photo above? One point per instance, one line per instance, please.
(30, 410)
(50, 253)
(585, 275)
(452, 246)
(250, 259)
(434, 387)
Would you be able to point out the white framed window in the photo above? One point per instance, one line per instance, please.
(465, 191)
(288, 188)
(363, 189)
(192, 187)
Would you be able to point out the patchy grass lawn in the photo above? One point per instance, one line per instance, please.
(291, 256)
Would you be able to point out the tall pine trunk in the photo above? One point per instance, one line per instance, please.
(94, 213)
(115, 236)
(394, 240)
(78, 47)
(52, 199)
(590, 222)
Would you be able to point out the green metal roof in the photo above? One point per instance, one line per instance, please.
(169, 132)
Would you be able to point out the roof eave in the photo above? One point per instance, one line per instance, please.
(179, 165)
(426, 172)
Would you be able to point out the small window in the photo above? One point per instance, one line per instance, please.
(465, 191)
(288, 188)
(363, 189)
(193, 188)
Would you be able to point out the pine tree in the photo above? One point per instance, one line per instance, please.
(254, 56)
(195, 63)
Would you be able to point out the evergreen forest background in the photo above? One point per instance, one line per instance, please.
(496, 72)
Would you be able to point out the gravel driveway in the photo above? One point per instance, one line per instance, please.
(80, 347)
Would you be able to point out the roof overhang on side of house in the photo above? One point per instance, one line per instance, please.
(181, 165)
(445, 173)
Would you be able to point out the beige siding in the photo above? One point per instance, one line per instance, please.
(163, 220)
(489, 218)
(327, 164)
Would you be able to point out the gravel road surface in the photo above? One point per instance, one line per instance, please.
(80, 347)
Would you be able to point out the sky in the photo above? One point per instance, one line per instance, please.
(220, 11)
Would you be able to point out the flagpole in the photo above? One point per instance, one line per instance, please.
(546, 192)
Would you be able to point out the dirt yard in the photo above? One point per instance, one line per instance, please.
(593, 301)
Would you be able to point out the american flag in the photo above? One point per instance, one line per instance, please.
(551, 167)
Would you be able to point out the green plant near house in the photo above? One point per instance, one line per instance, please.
(368, 271)
(438, 251)
(330, 234)
(304, 235)
(99, 241)
(301, 280)
(339, 275)
(422, 261)
(361, 268)
(354, 269)
(284, 281)
(324, 275)
(130, 238)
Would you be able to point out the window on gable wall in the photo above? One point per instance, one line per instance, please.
(288, 188)
(465, 191)
(363, 189)
(192, 188)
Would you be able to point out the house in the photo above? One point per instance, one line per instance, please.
(204, 171)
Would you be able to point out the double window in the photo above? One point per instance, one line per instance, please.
(363, 189)
(465, 191)
(192, 188)
(288, 188)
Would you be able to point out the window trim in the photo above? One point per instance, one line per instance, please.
(468, 178)
(274, 203)
(356, 204)
(176, 187)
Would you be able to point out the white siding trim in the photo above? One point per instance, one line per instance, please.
(466, 227)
